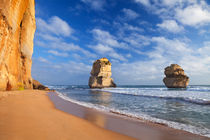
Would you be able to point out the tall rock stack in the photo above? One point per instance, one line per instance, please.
(175, 77)
(101, 74)
(17, 28)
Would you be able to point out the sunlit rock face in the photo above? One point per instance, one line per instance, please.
(101, 74)
(17, 28)
(175, 77)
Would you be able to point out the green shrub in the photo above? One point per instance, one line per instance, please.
(20, 86)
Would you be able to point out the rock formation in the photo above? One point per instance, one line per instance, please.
(175, 77)
(39, 86)
(101, 74)
(17, 27)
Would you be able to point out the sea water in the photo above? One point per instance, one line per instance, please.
(185, 109)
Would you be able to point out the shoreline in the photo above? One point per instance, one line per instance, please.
(134, 127)
(30, 114)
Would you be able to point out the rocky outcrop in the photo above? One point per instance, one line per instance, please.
(17, 27)
(175, 77)
(39, 86)
(101, 74)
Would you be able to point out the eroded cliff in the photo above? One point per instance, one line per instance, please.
(101, 74)
(175, 77)
(17, 28)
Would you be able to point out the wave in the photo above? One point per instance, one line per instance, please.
(189, 128)
(197, 97)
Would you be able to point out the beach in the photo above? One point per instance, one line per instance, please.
(31, 115)
(133, 127)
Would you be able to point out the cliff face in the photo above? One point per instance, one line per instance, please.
(101, 74)
(175, 77)
(17, 28)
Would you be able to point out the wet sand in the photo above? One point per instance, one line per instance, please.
(128, 126)
(30, 115)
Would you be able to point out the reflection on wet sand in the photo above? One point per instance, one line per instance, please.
(102, 97)
(95, 118)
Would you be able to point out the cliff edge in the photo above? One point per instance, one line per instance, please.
(17, 28)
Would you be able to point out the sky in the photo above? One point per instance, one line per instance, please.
(139, 37)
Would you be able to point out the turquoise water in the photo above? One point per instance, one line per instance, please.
(186, 109)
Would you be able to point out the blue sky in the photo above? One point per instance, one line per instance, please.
(139, 37)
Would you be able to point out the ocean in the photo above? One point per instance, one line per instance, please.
(184, 109)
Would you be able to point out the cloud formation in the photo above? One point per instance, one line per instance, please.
(193, 15)
(171, 26)
(130, 14)
(97, 5)
(139, 37)
(187, 12)
(54, 25)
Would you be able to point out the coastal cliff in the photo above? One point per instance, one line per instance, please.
(101, 74)
(175, 77)
(17, 28)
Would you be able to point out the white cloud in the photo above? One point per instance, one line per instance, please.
(44, 60)
(195, 62)
(171, 26)
(207, 43)
(105, 37)
(193, 15)
(95, 4)
(144, 2)
(54, 25)
(76, 67)
(102, 49)
(64, 46)
(170, 2)
(107, 51)
(172, 48)
(110, 45)
(130, 14)
(56, 53)
(129, 27)
(57, 73)
(48, 37)
(61, 45)
(188, 12)
(137, 40)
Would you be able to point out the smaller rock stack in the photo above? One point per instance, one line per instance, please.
(37, 85)
(101, 74)
(175, 77)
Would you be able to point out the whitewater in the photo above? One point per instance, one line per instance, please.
(184, 109)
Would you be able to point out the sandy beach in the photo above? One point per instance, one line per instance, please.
(136, 128)
(31, 115)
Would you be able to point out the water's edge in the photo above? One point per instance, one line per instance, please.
(142, 117)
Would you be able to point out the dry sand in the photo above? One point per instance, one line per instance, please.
(30, 115)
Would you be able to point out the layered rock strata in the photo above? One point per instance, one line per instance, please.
(101, 74)
(175, 77)
(17, 28)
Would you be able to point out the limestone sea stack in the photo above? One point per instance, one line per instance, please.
(17, 28)
(101, 74)
(175, 77)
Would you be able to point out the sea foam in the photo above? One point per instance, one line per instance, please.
(197, 96)
(142, 116)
